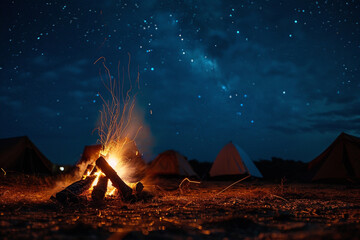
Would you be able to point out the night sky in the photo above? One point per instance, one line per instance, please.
(279, 78)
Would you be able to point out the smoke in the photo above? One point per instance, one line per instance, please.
(144, 140)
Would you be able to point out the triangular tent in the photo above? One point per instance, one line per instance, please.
(90, 153)
(341, 160)
(19, 154)
(170, 162)
(232, 160)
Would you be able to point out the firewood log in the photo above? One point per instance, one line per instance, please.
(98, 192)
(71, 192)
(138, 188)
(94, 170)
(88, 169)
(117, 182)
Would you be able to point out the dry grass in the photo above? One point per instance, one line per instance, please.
(252, 210)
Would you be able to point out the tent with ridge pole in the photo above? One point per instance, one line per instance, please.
(232, 160)
(20, 155)
(340, 161)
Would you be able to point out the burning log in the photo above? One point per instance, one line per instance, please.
(117, 182)
(71, 192)
(100, 189)
(88, 169)
(94, 170)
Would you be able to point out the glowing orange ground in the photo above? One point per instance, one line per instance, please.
(251, 210)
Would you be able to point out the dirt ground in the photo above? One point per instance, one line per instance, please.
(251, 209)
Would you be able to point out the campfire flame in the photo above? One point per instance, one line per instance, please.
(118, 127)
(97, 174)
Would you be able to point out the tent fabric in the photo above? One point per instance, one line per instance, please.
(131, 158)
(131, 153)
(170, 162)
(341, 160)
(232, 160)
(19, 154)
(90, 153)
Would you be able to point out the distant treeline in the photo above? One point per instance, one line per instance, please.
(201, 168)
(278, 168)
(274, 169)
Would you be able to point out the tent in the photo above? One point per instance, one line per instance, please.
(19, 154)
(170, 162)
(90, 153)
(340, 161)
(131, 158)
(232, 160)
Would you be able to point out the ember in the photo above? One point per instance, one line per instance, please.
(246, 210)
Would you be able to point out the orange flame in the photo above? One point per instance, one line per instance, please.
(116, 130)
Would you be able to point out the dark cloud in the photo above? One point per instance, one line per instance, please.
(345, 112)
(338, 125)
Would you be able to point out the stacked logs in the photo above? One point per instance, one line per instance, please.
(117, 182)
(98, 192)
(73, 191)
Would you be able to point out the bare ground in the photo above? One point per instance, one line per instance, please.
(248, 210)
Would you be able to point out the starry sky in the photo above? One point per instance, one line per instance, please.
(279, 78)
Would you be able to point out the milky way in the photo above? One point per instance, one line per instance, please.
(279, 78)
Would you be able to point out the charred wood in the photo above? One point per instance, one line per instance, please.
(88, 169)
(139, 187)
(98, 192)
(71, 192)
(117, 182)
(94, 170)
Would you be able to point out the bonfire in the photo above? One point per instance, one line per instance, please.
(119, 165)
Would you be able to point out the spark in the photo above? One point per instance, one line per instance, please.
(116, 130)
(116, 114)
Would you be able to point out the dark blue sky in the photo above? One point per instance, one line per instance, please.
(279, 78)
